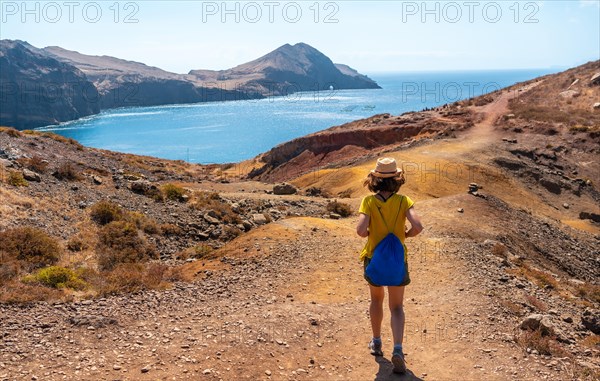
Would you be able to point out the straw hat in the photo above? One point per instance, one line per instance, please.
(386, 167)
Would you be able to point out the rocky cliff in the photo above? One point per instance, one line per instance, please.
(104, 82)
(38, 90)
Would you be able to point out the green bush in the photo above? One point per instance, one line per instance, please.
(105, 212)
(29, 245)
(121, 242)
(57, 277)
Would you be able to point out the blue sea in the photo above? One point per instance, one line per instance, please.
(222, 132)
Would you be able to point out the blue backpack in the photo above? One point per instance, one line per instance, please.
(387, 266)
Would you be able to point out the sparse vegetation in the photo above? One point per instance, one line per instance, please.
(16, 179)
(57, 277)
(589, 291)
(340, 208)
(173, 192)
(345, 194)
(539, 277)
(35, 163)
(105, 212)
(121, 242)
(11, 132)
(212, 201)
(535, 302)
(543, 343)
(66, 171)
(31, 246)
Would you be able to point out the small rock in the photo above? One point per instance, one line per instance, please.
(206, 371)
(596, 106)
(268, 372)
(284, 188)
(97, 180)
(566, 206)
(334, 216)
(460, 210)
(31, 176)
(145, 369)
(211, 220)
(117, 367)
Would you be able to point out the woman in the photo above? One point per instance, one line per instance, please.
(377, 212)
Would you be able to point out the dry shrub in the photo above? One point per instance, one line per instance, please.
(77, 244)
(499, 250)
(143, 222)
(544, 344)
(540, 278)
(132, 277)
(67, 171)
(589, 291)
(121, 242)
(230, 232)
(35, 163)
(105, 212)
(56, 137)
(538, 304)
(11, 132)
(170, 230)
(173, 192)
(16, 179)
(512, 307)
(345, 194)
(19, 292)
(212, 201)
(29, 245)
(340, 208)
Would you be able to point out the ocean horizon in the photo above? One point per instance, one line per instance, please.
(233, 131)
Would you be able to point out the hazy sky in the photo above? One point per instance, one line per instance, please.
(371, 36)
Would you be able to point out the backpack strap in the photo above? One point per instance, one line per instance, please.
(395, 220)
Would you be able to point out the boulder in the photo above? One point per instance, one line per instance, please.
(259, 219)
(538, 321)
(552, 186)
(591, 321)
(334, 216)
(570, 94)
(589, 216)
(141, 186)
(284, 188)
(31, 176)
(595, 81)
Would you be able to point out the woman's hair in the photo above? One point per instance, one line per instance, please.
(380, 184)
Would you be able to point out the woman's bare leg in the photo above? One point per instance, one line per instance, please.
(396, 302)
(376, 309)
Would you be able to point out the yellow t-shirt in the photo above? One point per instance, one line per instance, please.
(395, 205)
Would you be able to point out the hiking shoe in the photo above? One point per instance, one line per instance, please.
(398, 362)
(375, 348)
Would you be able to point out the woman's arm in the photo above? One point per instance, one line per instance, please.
(363, 225)
(415, 223)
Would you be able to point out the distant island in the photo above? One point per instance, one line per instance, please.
(52, 85)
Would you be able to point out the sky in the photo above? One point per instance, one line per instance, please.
(370, 36)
